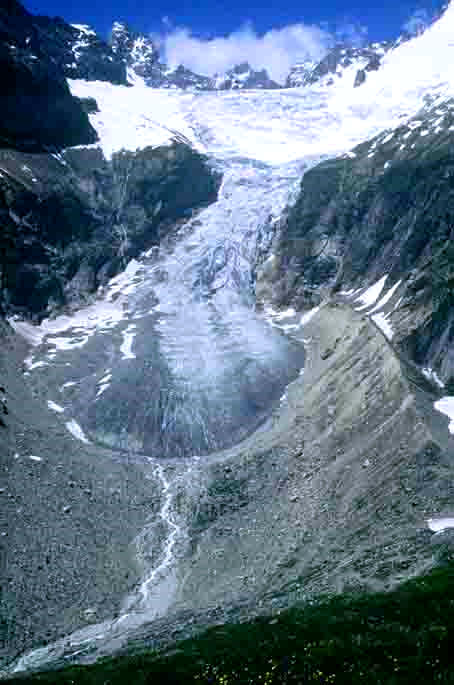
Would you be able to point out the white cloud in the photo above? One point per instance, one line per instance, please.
(277, 50)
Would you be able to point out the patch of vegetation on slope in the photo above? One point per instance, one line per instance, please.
(403, 636)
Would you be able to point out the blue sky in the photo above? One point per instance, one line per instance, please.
(219, 17)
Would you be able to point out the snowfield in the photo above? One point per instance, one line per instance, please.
(134, 118)
(278, 127)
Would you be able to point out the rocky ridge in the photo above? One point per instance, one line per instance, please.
(38, 110)
(71, 222)
(243, 76)
(78, 52)
(384, 208)
(359, 60)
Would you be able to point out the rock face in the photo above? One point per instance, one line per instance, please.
(38, 111)
(73, 51)
(71, 223)
(385, 208)
(138, 53)
(338, 59)
(79, 52)
(243, 76)
(299, 74)
(183, 78)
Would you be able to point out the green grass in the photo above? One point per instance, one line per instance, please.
(405, 636)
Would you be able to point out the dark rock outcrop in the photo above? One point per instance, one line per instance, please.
(184, 78)
(38, 111)
(79, 52)
(359, 78)
(385, 208)
(242, 76)
(337, 59)
(72, 222)
(299, 74)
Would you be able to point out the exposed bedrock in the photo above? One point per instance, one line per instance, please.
(73, 221)
(38, 110)
(384, 208)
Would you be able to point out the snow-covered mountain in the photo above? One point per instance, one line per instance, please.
(166, 452)
(242, 76)
(332, 67)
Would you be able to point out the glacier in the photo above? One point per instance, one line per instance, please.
(179, 326)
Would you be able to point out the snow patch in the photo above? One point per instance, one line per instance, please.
(34, 365)
(438, 525)
(370, 296)
(55, 407)
(69, 384)
(446, 406)
(128, 339)
(77, 431)
(432, 375)
(104, 383)
(382, 322)
(386, 298)
(85, 29)
(285, 314)
(308, 316)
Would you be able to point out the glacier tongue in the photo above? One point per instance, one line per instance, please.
(191, 366)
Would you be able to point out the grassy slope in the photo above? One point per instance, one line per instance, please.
(399, 637)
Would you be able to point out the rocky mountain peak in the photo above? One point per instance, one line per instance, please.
(137, 50)
(334, 64)
(121, 39)
(38, 111)
(243, 76)
(181, 77)
(300, 73)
